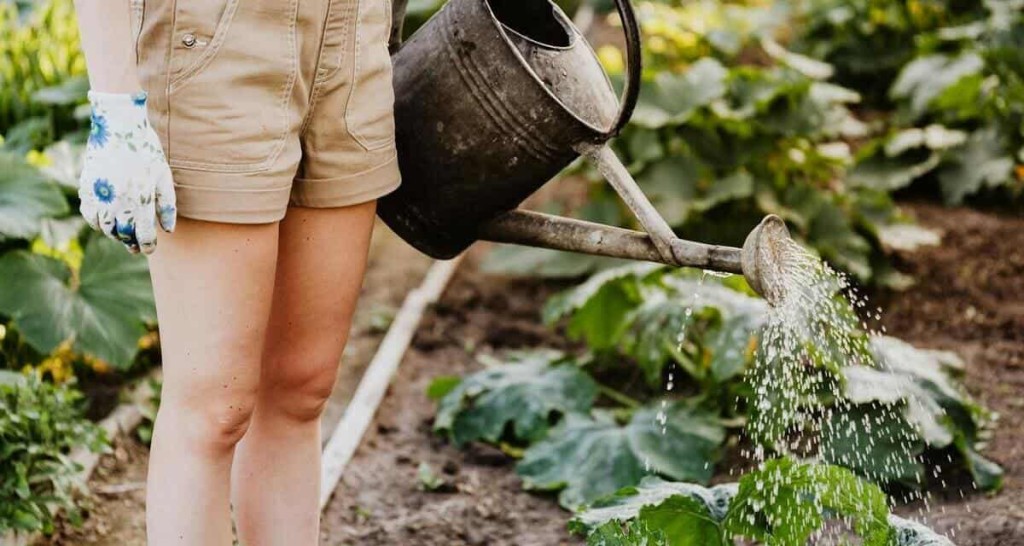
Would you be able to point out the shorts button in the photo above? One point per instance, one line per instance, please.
(189, 40)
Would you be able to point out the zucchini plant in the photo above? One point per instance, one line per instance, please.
(783, 502)
(584, 429)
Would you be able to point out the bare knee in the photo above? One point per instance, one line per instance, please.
(298, 387)
(213, 422)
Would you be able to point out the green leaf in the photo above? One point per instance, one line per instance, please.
(925, 78)
(70, 91)
(686, 514)
(26, 198)
(428, 479)
(441, 386)
(522, 396)
(911, 533)
(781, 504)
(915, 385)
(981, 163)
(988, 476)
(785, 502)
(599, 307)
(875, 441)
(586, 458)
(719, 321)
(103, 310)
(670, 99)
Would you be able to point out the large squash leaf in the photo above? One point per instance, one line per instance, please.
(670, 99)
(685, 514)
(981, 163)
(914, 384)
(102, 309)
(27, 197)
(598, 308)
(785, 502)
(586, 458)
(782, 504)
(521, 397)
(925, 78)
(875, 441)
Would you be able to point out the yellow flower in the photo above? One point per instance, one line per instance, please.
(99, 366)
(611, 59)
(37, 159)
(148, 341)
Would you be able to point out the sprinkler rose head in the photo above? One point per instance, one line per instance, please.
(763, 259)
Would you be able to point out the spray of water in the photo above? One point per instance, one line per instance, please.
(809, 335)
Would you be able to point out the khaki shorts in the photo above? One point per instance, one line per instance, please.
(265, 103)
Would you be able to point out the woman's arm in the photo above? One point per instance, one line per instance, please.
(106, 30)
(125, 185)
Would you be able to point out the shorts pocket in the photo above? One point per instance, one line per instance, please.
(369, 115)
(232, 69)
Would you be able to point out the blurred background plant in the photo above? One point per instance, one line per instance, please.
(40, 424)
(42, 74)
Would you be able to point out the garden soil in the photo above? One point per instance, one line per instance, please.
(969, 298)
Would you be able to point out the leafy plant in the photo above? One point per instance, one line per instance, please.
(588, 457)
(42, 73)
(40, 423)
(102, 308)
(708, 328)
(517, 400)
(429, 480)
(909, 391)
(782, 503)
(657, 318)
(27, 199)
(869, 41)
(955, 114)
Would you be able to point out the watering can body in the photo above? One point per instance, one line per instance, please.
(492, 100)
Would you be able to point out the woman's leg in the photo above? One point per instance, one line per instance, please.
(213, 285)
(276, 477)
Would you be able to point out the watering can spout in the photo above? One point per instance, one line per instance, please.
(759, 261)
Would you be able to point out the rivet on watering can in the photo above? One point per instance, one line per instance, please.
(189, 40)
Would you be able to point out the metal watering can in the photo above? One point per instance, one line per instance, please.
(493, 98)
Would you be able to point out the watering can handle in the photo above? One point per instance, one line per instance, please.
(634, 64)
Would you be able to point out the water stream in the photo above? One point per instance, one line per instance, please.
(805, 342)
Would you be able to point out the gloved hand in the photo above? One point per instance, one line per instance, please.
(125, 186)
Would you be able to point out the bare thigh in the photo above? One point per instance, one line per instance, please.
(213, 285)
(321, 262)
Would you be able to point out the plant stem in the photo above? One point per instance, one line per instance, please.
(618, 396)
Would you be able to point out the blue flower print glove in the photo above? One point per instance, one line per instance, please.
(125, 185)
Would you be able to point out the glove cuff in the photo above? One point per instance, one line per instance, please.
(123, 103)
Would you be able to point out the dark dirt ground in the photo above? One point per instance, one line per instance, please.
(379, 501)
(969, 298)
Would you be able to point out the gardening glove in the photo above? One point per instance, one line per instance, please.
(125, 186)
